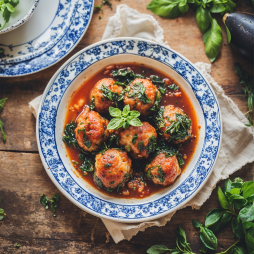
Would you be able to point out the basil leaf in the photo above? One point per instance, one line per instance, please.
(250, 198)
(226, 217)
(134, 113)
(2, 130)
(238, 250)
(228, 34)
(247, 213)
(115, 123)
(157, 249)
(2, 102)
(222, 198)
(227, 185)
(213, 41)
(213, 216)
(181, 236)
(203, 18)
(10, 7)
(134, 121)
(165, 8)
(126, 111)
(114, 112)
(208, 238)
(183, 6)
(237, 200)
(248, 189)
(250, 243)
(14, 3)
(196, 224)
(222, 6)
(6, 15)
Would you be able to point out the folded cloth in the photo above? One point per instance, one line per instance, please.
(237, 145)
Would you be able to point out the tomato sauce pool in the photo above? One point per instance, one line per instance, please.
(177, 98)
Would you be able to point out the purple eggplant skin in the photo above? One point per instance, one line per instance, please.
(241, 27)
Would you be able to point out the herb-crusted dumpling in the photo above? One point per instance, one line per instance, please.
(142, 96)
(104, 95)
(163, 170)
(139, 141)
(176, 125)
(112, 169)
(91, 131)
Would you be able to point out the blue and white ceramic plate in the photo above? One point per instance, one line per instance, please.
(52, 32)
(52, 112)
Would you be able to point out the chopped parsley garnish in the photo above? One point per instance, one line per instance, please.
(179, 128)
(69, 136)
(157, 102)
(112, 183)
(148, 172)
(134, 138)
(151, 145)
(107, 165)
(126, 178)
(98, 182)
(141, 146)
(138, 92)
(125, 76)
(127, 148)
(113, 96)
(156, 80)
(87, 163)
(92, 106)
(44, 200)
(173, 87)
(159, 120)
(109, 190)
(160, 175)
(86, 142)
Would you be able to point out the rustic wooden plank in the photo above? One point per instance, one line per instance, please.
(23, 179)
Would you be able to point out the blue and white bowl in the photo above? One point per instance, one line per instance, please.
(23, 12)
(52, 112)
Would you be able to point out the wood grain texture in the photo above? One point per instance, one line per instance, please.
(23, 178)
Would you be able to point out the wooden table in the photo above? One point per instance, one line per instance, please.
(23, 178)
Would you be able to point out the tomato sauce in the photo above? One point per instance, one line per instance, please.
(175, 98)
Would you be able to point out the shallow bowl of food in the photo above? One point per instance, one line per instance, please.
(20, 13)
(129, 130)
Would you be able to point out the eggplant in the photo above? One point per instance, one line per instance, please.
(241, 28)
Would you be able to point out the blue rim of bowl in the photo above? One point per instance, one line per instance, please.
(50, 57)
(23, 20)
(170, 202)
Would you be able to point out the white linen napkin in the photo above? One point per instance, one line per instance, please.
(237, 147)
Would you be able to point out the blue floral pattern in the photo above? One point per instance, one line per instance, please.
(70, 24)
(48, 147)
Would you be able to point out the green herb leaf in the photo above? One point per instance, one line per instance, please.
(126, 111)
(228, 34)
(157, 249)
(213, 41)
(247, 213)
(44, 201)
(98, 182)
(222, 198)
(69, 136)
(203, 18)
(134, 113)
(115, 112)
(107, 165)
(2, 130)
(115, 123)
(196, 224)
(2, 102)
(10, 7)
(238, 250)
(165, 8)
(213, 217)
(134, 121)
(208, 238)
(248, 189)
(222, 6)
(250, 243)
(183, 6)
(173, 87)
(134, 138)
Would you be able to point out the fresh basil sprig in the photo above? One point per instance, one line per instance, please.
(123, 118)
(207, 25)
(237, 209)
(2, 102)
(248, 89)
(7, 7)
